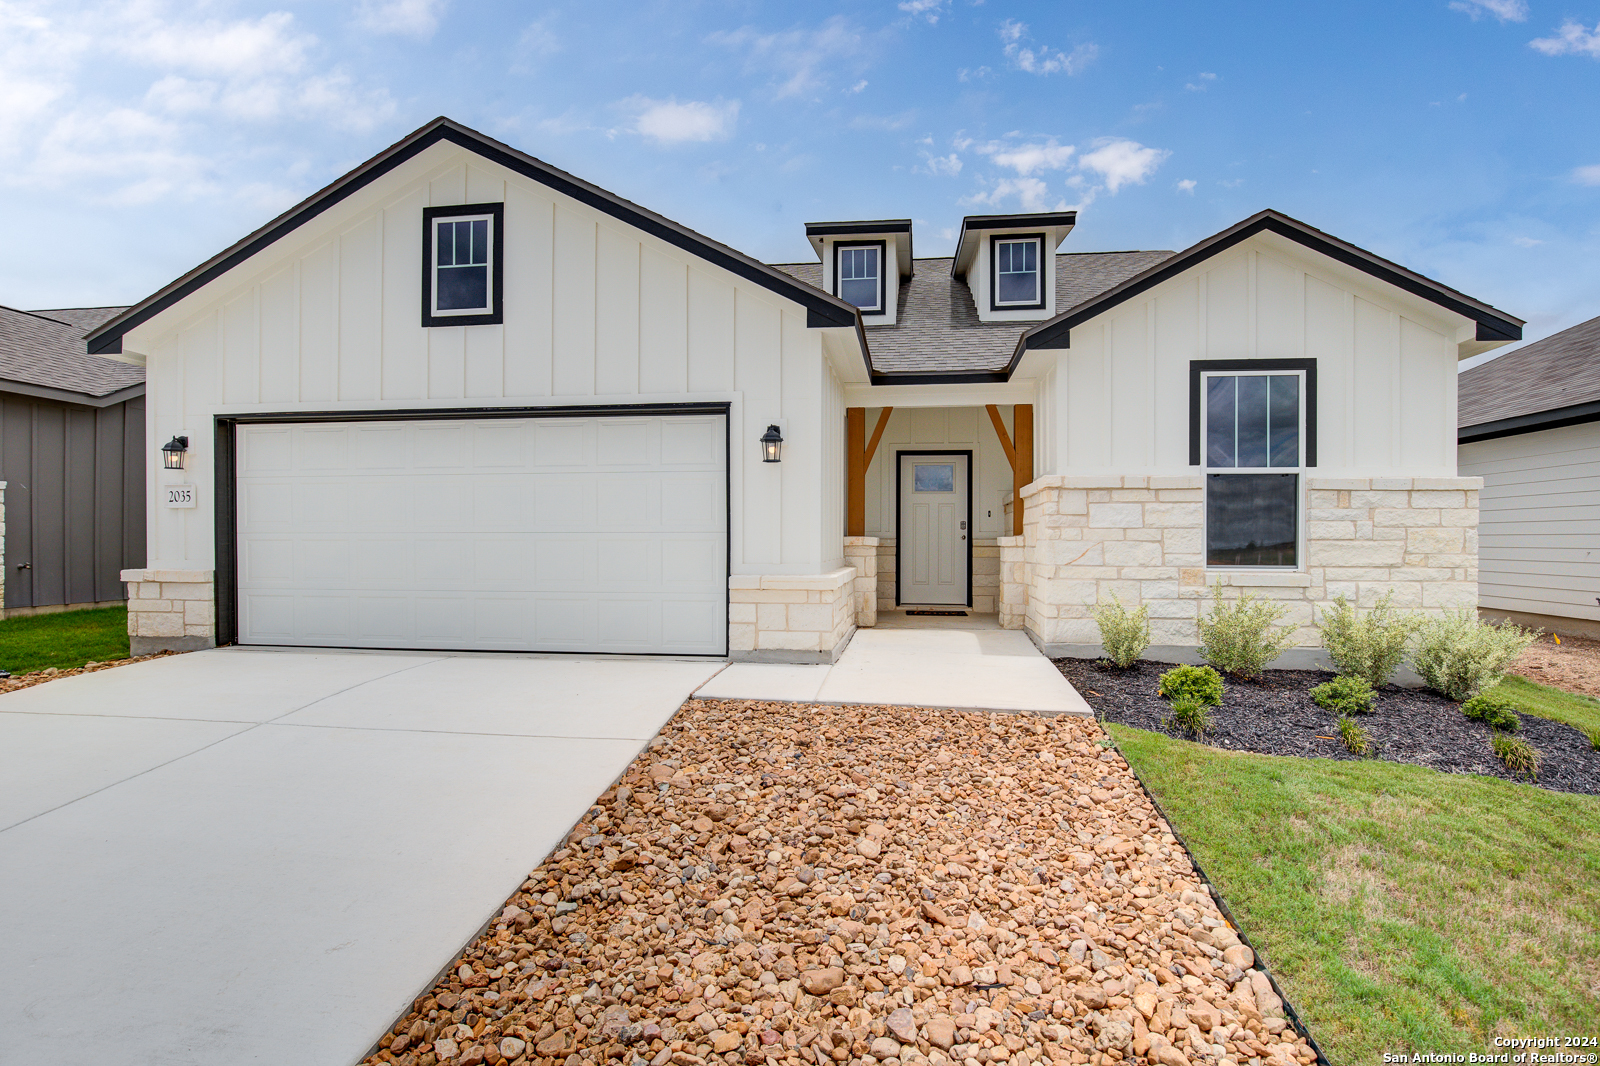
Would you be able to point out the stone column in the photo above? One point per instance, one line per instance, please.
(862, 553)
(170, 610)
(1013, 582)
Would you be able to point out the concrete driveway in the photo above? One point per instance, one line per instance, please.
(253, 855)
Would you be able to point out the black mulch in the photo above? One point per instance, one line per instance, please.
(1275, 716)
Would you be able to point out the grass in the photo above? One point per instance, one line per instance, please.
(64, 640)
(1542, 701)
(1400, 907)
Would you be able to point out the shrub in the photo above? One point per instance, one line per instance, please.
(1124, 636)
(1190, 717)
(1192, 682)
(1493, 710)
(1518, 755)
(1458, 656)
(1240, 637)
(1344, 696)
(1354, 737)
(1370, 645)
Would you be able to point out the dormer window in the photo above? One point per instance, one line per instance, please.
(1018, 276)
(859, 270)
(461, 259)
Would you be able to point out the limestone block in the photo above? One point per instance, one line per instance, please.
(1380, 532)
(143, 606)
(1059, 591)
(834, 579)
(744, 581)
(1466, 517)
(1174, 631)
(1364, 531)
(1099, 496)
(1132, 496)
(1376, 498)
(199, 613)
(1438, 499)
(1182, 481)
(1174, 514)
(787, 640)
(144, 590)
(1427, 539)
(1390, 483)
(1193, 576)
(159, 624)
(1075, 631)
(1355, 553)
(1070, 553)
(1406, 593)
(1115, 515)
(1178, 542)
(1126, 591)
(742, 612)
(1189, 608)
(185, 590)
(772, 616)
(1151, 573)
(767, 595)
(1345, 484)
(1357, 573)
(1447, 484)
(812, 616)
(1338, 514)
(1183, 495)
(1132, 553)
(1152, 535)
(1321, 498)
(1158, 590)
(1331, 530)
(1450, 595)
(1072, 501)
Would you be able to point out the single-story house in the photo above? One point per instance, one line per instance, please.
(462, 399)
(1530, 428)
(72, 463)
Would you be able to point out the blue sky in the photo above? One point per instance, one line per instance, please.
(1455, 136)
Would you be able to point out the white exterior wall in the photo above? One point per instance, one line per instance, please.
(1117, 401)
(328, 319)
(1539, 527)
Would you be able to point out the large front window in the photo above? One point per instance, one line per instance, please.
(861, 275)
(1254, 458)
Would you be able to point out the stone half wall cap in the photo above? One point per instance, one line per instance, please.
(1113, 481)
(833, 579)
(196, 576)
(861, 542)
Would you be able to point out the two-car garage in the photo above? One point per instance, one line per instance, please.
(493, 531)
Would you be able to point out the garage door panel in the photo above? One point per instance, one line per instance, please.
(599, 534)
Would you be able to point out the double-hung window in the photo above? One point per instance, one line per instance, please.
(1018, 277)
(1255, 458)
(461, 265)
(860, 275)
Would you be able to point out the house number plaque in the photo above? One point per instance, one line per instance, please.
(180, 495)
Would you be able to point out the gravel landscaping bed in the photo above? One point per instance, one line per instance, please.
(1276, 716)
(50, 673)
(774, 883)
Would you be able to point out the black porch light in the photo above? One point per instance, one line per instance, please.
(772, 445)
(172, 452)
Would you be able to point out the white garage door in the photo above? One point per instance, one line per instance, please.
(540, 534)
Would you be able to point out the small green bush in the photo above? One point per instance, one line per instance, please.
(1458, 656)
(1344, 696)
(1519, 756)
(1493, 710)
(1189, 717)
(1240, 637)
(1355, 738)
(1124, 636)
(1370, 645)
(1192, 682)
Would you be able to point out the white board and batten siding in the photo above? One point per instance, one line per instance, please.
(1117, 401)
(596, 312)
(1539, 521)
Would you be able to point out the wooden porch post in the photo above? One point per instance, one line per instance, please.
(858, 453)
(1019, 453)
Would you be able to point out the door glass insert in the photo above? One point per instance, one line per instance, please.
(934, 477)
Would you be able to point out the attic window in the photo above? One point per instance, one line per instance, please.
(1018, 279)
(461, 259)
(858, 270)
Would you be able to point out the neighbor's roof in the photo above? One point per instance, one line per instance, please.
(1549, 383)
(937, 331)
(822, 309)
(41, 353)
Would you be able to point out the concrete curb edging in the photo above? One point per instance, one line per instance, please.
(1222, 905)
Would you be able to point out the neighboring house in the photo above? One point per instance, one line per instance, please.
(1530, 427)
(460, 399)
(72, 461)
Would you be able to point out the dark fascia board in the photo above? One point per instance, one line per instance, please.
(839, 229)
(1554, 418)
(956, 377)
(1493, 324)
(822, 309)
(45, 392)
(985, 223)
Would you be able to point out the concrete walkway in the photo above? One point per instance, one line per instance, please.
(980, 668)
(260, 856)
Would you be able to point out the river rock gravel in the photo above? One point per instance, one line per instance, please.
(783, 884)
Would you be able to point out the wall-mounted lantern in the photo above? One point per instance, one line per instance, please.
(173, 451)
(772, 445)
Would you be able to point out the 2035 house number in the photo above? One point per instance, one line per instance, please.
(180, 495)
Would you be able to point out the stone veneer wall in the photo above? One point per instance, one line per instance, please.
(862, 554)
(170, 610)
(791, 618)
(985, 574)
(1143, 539)
(1013, 582)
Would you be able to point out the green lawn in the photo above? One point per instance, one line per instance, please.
(64, 640)
(1401, 908)
(1580, 712)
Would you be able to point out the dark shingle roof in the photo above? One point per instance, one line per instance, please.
(1562, 370)
(936, 326)
(42, 351)
(85, 318)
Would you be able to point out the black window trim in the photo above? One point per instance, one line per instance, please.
(496, 314)
(1198, 368)
(994, 272)
(883, 273)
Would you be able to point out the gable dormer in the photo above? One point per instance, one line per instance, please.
(1009, 263)
(863, 262)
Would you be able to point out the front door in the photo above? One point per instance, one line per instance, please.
(933, 535)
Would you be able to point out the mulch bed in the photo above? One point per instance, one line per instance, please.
(1276, 716)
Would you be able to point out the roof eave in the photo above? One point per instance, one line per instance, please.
(1532, 422)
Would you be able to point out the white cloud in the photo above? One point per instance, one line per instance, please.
(537, 40)
(1200, 84)
(1121, 162)
(947, 166)
(1031, 192)
(1589, 175)
(1187, 185)
(1572, 39)
(1025, 159)
(409, 18)
(1043, 60)
(857, 87)
(1504, 10)
(669, 122)
(799, 58)
(1526, 242)
(928, 9)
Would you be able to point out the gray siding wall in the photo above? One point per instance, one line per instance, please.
(74, 499)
